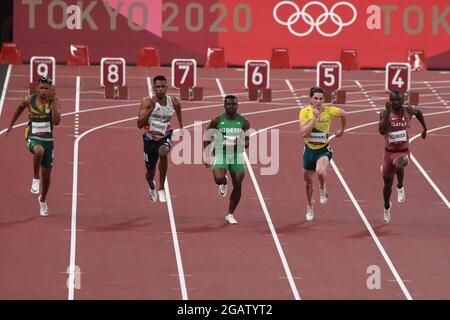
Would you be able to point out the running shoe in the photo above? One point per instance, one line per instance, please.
(310, 211)
(152, 194)
(323, 195)
(387, 214)
(401, 196)
(223, 188)
(43, 208)
(162, 196)
(230, 219)
(35, 186)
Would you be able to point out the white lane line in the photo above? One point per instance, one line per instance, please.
(5, 88)
(435, 93)
(77, 104)
(273, 232)
(219, 84)
(173, 226)
(175, 241)
(425, 174)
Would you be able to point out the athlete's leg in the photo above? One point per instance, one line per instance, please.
(321, 170)
(308, 177)
(38, 155)
(45, 173)
(150, 176)
(219, 175)
(387, 190)
(163, 163)
(400, 163)
(235, 197)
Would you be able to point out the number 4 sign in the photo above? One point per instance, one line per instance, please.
(398, 75)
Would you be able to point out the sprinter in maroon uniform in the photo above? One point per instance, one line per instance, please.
(394, 124)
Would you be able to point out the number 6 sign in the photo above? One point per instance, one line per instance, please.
(398, 75)
(257, 74)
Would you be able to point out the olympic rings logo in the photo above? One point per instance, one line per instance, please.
(308, 19)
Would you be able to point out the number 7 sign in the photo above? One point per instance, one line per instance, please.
(398, 75)
(184, 73)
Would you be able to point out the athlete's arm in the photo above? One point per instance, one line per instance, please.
(145, 110)
(210, 131)
(177, 107)
(22, 106)
(307, 126)
(419, 115)
(56, 111)
(384, 118)
(343, 116)
(246, 126)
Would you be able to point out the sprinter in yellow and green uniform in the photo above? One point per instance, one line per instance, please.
(44, 111)
(315, 122)
(230, 142)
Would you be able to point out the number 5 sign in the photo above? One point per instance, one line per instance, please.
(257, 74)
(398, 75)
(184, 73)
(112, 71)
(329, 75)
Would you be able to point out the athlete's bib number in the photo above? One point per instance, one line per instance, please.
(158, 126)
(40, 127)
(397, 136)
(317, 137)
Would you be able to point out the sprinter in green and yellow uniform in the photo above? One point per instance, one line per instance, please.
(230, 141)
(44, 112)
(315, 122)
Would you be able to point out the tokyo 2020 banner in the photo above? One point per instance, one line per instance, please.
(381, 31)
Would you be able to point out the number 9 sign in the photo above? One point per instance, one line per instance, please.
(329, 75)
(257, 74)
(112, 71)
(42, 67)
(398, 75)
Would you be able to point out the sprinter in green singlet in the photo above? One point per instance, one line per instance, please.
(44, 111)
(230, 141)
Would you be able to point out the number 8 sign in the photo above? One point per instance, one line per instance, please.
(329, 75)
(398, 75)
(112, 71)
(257, 73)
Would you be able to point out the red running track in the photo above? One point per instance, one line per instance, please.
(124, 247)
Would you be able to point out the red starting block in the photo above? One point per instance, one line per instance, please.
(349, 59)
(280, 59)
(262, 95)
(341, 97)
(116, 92)
(215, 58)
(417, 60)
(78, 55)
(10, 54)
(148, 57)
(195, 93)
